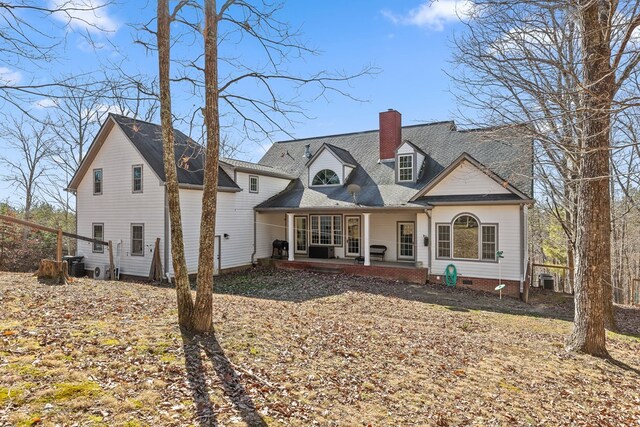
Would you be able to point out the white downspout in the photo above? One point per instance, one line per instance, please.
(367, 250)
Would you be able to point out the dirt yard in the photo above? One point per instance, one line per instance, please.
(304, 349)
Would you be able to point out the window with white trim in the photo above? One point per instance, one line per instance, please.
(466, 238)
(489, 241)
(444, 241)
(326, 177)
(97, 182)
(98, 234)
(137, 239)
(253, 184)
(136, 179)
(405, 167)
(326, 230)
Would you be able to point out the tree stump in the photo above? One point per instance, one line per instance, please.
(51, 269)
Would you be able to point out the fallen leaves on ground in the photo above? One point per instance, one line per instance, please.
(298, 348)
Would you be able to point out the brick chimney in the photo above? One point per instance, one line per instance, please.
(390, 133)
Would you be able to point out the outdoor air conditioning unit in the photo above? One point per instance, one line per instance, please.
(101, 273)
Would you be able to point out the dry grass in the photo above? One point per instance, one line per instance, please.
(303, 349)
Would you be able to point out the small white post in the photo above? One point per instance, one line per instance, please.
(499, 256)
(367, 253)
(290, 234)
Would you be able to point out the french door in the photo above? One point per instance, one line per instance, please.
(353, 236)
(406, 240)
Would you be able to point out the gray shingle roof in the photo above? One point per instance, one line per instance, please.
(506, 151)
(257, 168)
(147, 138)
(343, 155)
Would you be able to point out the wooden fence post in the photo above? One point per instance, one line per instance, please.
(155, 272)
(59, 249)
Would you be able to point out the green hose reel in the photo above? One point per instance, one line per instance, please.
(450, 275)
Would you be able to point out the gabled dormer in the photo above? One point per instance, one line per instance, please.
(330, 166)
(409, 163)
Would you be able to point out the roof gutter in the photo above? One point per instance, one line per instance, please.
(485, 202)
(260, 172)
(343, 208)
(200, 187)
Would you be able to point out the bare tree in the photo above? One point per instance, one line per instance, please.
(133, 96)
(518, 63)
(26, 46)
(260, 111)
(31, 146)
(185, 302)
(550, 64)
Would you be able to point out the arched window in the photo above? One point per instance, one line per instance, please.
(326, 177)
(465, 237)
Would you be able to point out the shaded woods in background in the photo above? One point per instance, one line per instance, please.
(21, 254)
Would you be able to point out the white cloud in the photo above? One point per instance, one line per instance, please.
(101, 111)
(89, 15)
(45, 103)
(433, 15)
(9, 77)
(521, 41)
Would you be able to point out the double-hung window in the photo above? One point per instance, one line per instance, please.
(489, 239)
(444, 241)
(137, 239)
(136, 179)
(405, 167)
(326, 230)
(253, 184)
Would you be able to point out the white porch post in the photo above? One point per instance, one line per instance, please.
(367, 253)
(290, 230)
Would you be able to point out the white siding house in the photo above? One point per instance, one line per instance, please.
(130, 209)
(234, 222)
(117, 207)
(429, 195)
(423, 197)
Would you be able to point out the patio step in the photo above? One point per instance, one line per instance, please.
(325, 270)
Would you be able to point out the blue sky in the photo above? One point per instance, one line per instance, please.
(409, 41)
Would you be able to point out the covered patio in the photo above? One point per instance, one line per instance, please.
(385, 242)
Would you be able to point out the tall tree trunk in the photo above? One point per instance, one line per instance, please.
(203, 319)
(593, 233)
(185, 302)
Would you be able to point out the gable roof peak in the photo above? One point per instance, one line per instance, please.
(146, 137)
(466, 157)
(340, 153)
